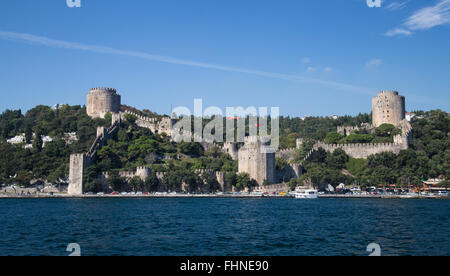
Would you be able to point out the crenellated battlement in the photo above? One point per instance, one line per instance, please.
(257, 140)
(156, 125)
(388, 92)
(287, 150)
(142, 118)
(363, 150)
(102, 100)
(103, 90)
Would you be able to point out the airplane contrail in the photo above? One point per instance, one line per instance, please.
(49, 42)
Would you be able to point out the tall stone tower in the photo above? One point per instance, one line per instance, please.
(257, 159)
(101, 100)
(388, 108)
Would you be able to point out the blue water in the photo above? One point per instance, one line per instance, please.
(224, 226)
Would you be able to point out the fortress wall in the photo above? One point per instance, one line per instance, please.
(219, 176)
(291, 171)
(156, 125)
(141, 172)
(286, 154)
(79, 162)
(362, 150)
(347, 130)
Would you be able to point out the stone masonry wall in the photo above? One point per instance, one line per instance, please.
(156, 125)
(388, 107)
(258, 160)
(362, 150)
(102, 100)
(79, 162)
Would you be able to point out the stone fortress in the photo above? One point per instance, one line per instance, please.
(102, 100)
(255, 157)
(388, 107)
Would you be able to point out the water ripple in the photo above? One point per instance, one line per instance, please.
(224, 226)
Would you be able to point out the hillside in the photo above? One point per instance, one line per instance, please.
(428, 157)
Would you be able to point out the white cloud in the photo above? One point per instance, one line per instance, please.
(398, 31)
(395, 6)
(306, 60)
(374, 62)
(48, 42)
(430, 17)
(328, 69)
(424, 19)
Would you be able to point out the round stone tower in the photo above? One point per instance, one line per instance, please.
(388, 108)
(101, 100)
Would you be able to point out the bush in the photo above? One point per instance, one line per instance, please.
(333, 138)
(358, 138)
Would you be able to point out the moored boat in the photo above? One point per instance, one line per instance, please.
(306, 193)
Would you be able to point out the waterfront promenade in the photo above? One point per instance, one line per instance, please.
(249, 196)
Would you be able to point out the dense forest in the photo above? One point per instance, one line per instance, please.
(428, 156)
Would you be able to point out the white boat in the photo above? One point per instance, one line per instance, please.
(306, 194)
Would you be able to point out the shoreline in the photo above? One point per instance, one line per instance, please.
(2, 196)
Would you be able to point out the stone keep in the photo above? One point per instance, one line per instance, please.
(388, 108)
(258, 160)
(102, 100)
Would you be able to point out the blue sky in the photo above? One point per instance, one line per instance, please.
(308, 57)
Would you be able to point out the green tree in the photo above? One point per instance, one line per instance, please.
(93, 186)
(387, 130)
(333, 138)
(244, 181)
(338, 159)
(212, 185)
(115, 182)
(28, 133)
(280, 164)
(38, 143)
(136, 183)
(231, 179)
(152, 182)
